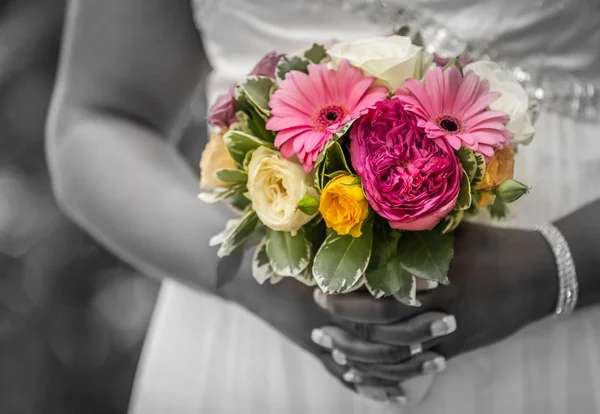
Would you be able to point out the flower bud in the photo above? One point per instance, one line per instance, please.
(510, 191)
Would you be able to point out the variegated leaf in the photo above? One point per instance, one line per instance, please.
(239, 144)
(481, 167)
(342, 260)
(238, 236)
(261, 267)
(427, 254)
(289, 255)
(219, 194)
(452, 220)
(231, 175)
(257, 90)
(464, 196)
(468, 160)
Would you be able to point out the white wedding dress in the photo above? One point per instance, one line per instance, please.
(203, 355)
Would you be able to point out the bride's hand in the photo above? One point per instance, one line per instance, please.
(289, 308)
(501, 280)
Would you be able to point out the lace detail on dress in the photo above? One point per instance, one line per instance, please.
(565, 95)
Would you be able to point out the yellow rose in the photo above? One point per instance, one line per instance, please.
(344, 206)
(486, 200)
(214, 157)
(500, 168)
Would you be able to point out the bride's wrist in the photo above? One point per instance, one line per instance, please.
(544, 288)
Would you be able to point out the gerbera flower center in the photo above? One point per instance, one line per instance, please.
(328, 115)
(449, 124)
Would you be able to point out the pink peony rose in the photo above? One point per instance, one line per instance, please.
(267, 66)
(409, 179)
(222, 112)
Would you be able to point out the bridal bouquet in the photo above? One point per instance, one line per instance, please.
(352, 164)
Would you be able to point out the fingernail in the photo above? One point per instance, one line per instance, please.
(416, 349)
(352, 376)
(339, 357)
(399, 400)
(444, 326)
(320, 298)
(435, 365)
(321, 338)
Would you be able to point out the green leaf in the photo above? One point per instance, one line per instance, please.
(335, 159)
(342, 260)
(427, 254)
(452, 221)
(247, 159)
(237, 232)
(239, 144)
(240, 202)
(464, 196)
(331, 164)
(316, 54)
(290, 63)
(289, 255)
(261, 267)
(456, 63)
(309, 205)
(257, 90)
(481, 166)
(410, 298)
(315, 233)
(474, 209)
(253, 121)
(215, 196)
(499, 209)
(230, 175)
(385, 276)
(306, 277)
(468, 160)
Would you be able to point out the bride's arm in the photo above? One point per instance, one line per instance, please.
(128, 71)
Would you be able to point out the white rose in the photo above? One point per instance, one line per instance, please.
(275, 186)
(392, 60)
(514, 100)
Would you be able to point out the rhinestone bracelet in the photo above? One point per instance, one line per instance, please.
(567, 275)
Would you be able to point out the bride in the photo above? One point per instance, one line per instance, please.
(129, 69)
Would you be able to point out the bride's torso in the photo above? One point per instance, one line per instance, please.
(232, 362)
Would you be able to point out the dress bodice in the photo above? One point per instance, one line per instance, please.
(553, 46)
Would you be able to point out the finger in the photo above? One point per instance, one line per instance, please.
(416, 389)
(424, 364)
(383, 394)
(421, 329)
(361, 307)
(346, 346)
(351, 377)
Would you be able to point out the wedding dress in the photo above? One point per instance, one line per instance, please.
(203, 355)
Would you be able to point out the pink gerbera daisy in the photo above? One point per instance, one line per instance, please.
(308, 109)
(456, 108)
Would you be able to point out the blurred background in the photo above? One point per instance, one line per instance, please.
(72, 316)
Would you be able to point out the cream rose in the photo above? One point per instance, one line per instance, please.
(392, 60)
(275, 186)
(514, 100)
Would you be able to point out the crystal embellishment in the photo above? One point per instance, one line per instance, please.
(568, 291)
